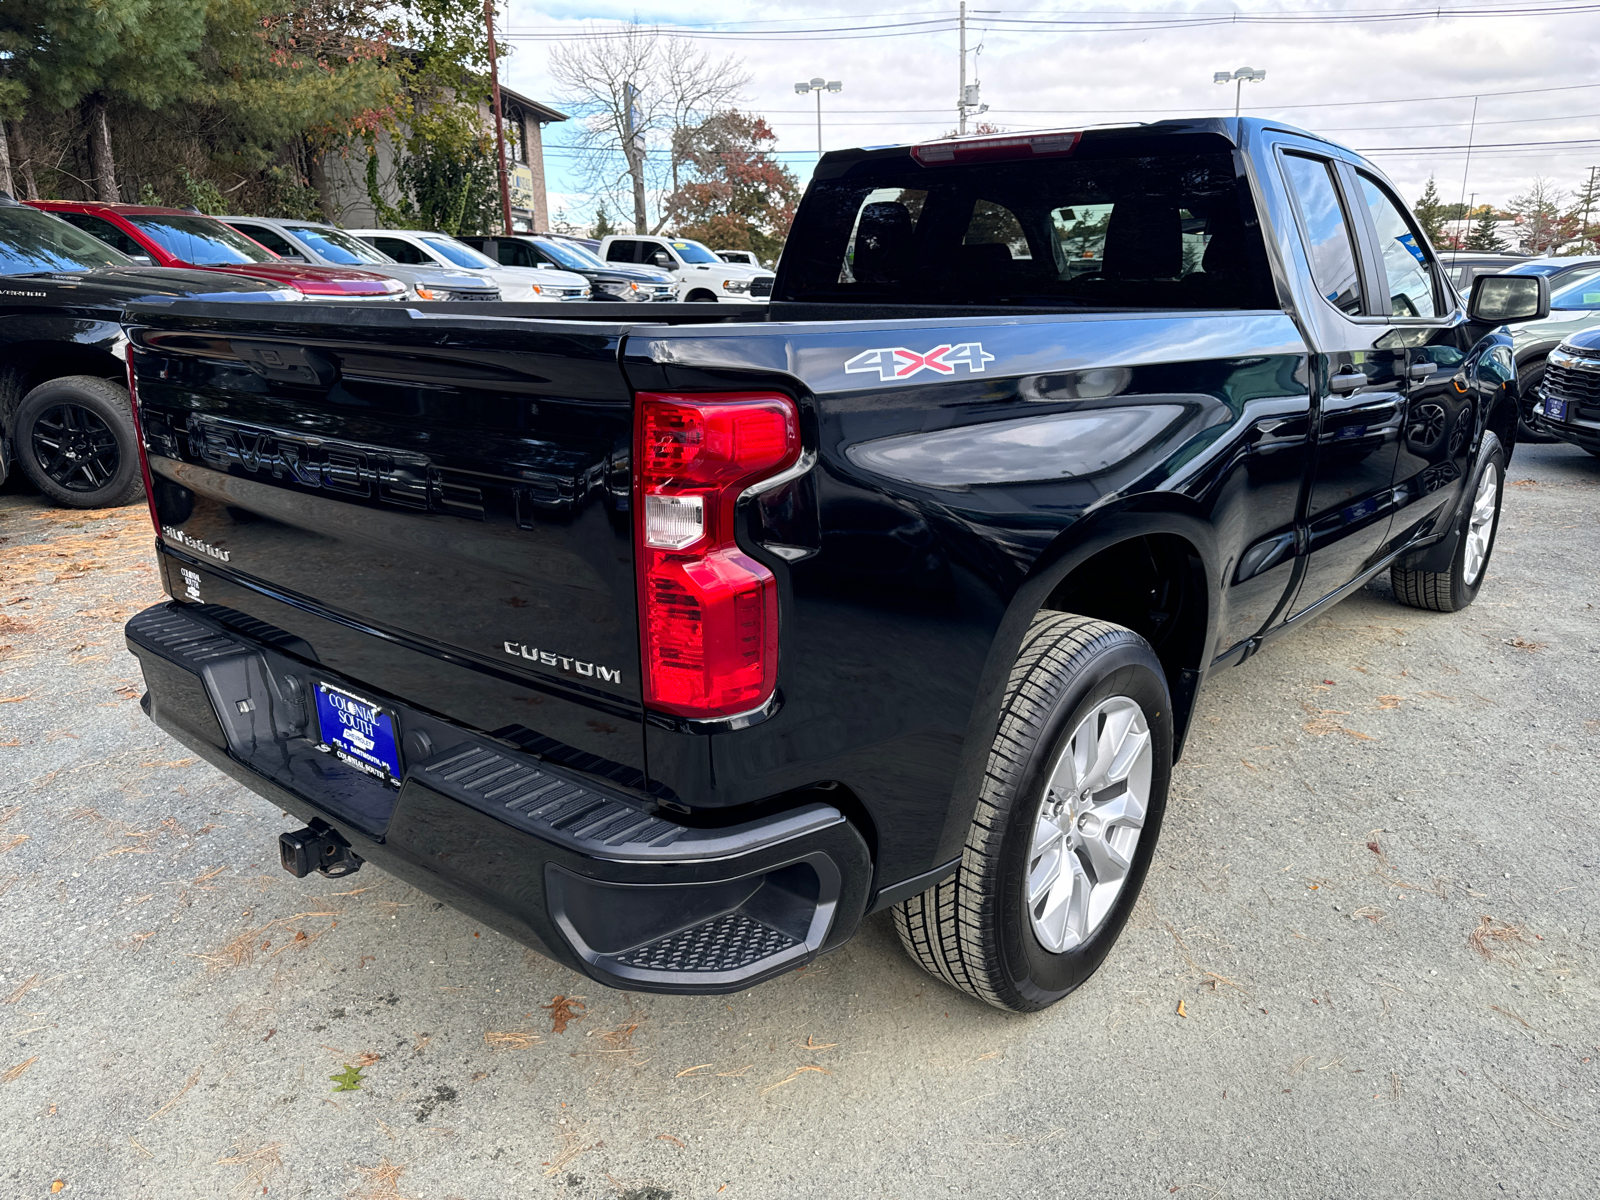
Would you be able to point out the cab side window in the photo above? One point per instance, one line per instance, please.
(270, 238)
(515, 254)
(623, 252)
(1328, 241)
(401, 251)
(106, 232)
(1405, 256)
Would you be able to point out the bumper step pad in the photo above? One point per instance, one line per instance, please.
(731, 942)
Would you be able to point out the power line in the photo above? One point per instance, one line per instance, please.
(1138, 22)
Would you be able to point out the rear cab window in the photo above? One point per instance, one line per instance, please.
(1122, 222)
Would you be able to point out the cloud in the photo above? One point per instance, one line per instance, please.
(1409, 78)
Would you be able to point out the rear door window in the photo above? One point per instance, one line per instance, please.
(107, 232)
(1328, 241)
(1405, 255)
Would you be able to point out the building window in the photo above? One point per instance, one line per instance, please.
(515, 137)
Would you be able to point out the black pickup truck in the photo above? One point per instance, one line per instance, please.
(673, 645)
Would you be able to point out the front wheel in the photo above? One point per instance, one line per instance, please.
(76, 442)
(1453, 590)
(1529, 377)
(1066, 822)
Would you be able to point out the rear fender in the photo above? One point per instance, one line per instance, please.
(1142, 517)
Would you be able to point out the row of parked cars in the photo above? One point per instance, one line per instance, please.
(67, 268)
(326, 261)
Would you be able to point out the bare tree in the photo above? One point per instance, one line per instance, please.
(633, 88)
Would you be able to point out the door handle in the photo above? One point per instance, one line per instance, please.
(1422, 370)
(1348, 383)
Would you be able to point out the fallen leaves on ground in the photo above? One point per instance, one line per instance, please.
(26, 986)
(15, 1072)
(182, 1092)
(382, 1181)
(263, 1163)
(561, 1010)
(1323, 722)
(1182, 1011)
(1497, 940)
(795, 1074)
(1522, 643)
(347, 1080)
(511, 1039)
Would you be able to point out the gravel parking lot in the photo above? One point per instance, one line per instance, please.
(1365, 962)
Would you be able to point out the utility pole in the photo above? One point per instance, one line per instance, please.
(1588, 201)
(499, 124)
(633, 151)
(1471, 129)
(961, 92)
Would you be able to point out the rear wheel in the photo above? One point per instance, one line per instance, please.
(701, 296)
(75, 441)
(1066, 822)
(1453, 590)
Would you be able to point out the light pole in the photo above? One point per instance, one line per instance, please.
(1238, 78)
(819, 85)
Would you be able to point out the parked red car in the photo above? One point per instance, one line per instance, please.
(175, 237)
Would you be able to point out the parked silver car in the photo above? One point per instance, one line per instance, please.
(327, 245)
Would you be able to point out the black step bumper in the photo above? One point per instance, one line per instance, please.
(632, 897)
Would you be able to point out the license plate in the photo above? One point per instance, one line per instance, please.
(358, 733)
(1555, 409)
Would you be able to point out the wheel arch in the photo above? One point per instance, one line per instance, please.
(1164, 536)
(25, 365)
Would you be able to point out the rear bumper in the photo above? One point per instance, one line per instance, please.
(583, 874)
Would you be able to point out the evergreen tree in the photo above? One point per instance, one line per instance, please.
(1483, 237)
(603, 228)
(1431, 213)
(65, 54)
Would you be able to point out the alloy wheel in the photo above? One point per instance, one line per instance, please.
(1480, 525)
(1089, 823)
(76, 449)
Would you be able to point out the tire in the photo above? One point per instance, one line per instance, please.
(75, 441)
(1528, 378)
(701, 297)
(1074, 679)
(1453, 590)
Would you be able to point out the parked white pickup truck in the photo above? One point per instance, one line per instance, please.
(701, 275)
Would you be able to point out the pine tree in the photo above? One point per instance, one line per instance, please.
(1483, 237)
(1431, 213)
(603, 228)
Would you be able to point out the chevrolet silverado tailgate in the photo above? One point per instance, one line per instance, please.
(426, 505)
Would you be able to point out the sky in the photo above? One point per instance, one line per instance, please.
(1397, 84)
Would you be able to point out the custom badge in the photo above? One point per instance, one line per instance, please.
(899, 363)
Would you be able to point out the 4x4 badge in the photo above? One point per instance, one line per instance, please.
(899, 363)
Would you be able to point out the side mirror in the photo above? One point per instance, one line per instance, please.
(299, 258)
(1502, 299)
(542, 266)
(661, 260)
(143, 260)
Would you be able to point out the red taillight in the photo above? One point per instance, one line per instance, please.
(996, 149)
(138, 440)
(708, 612)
